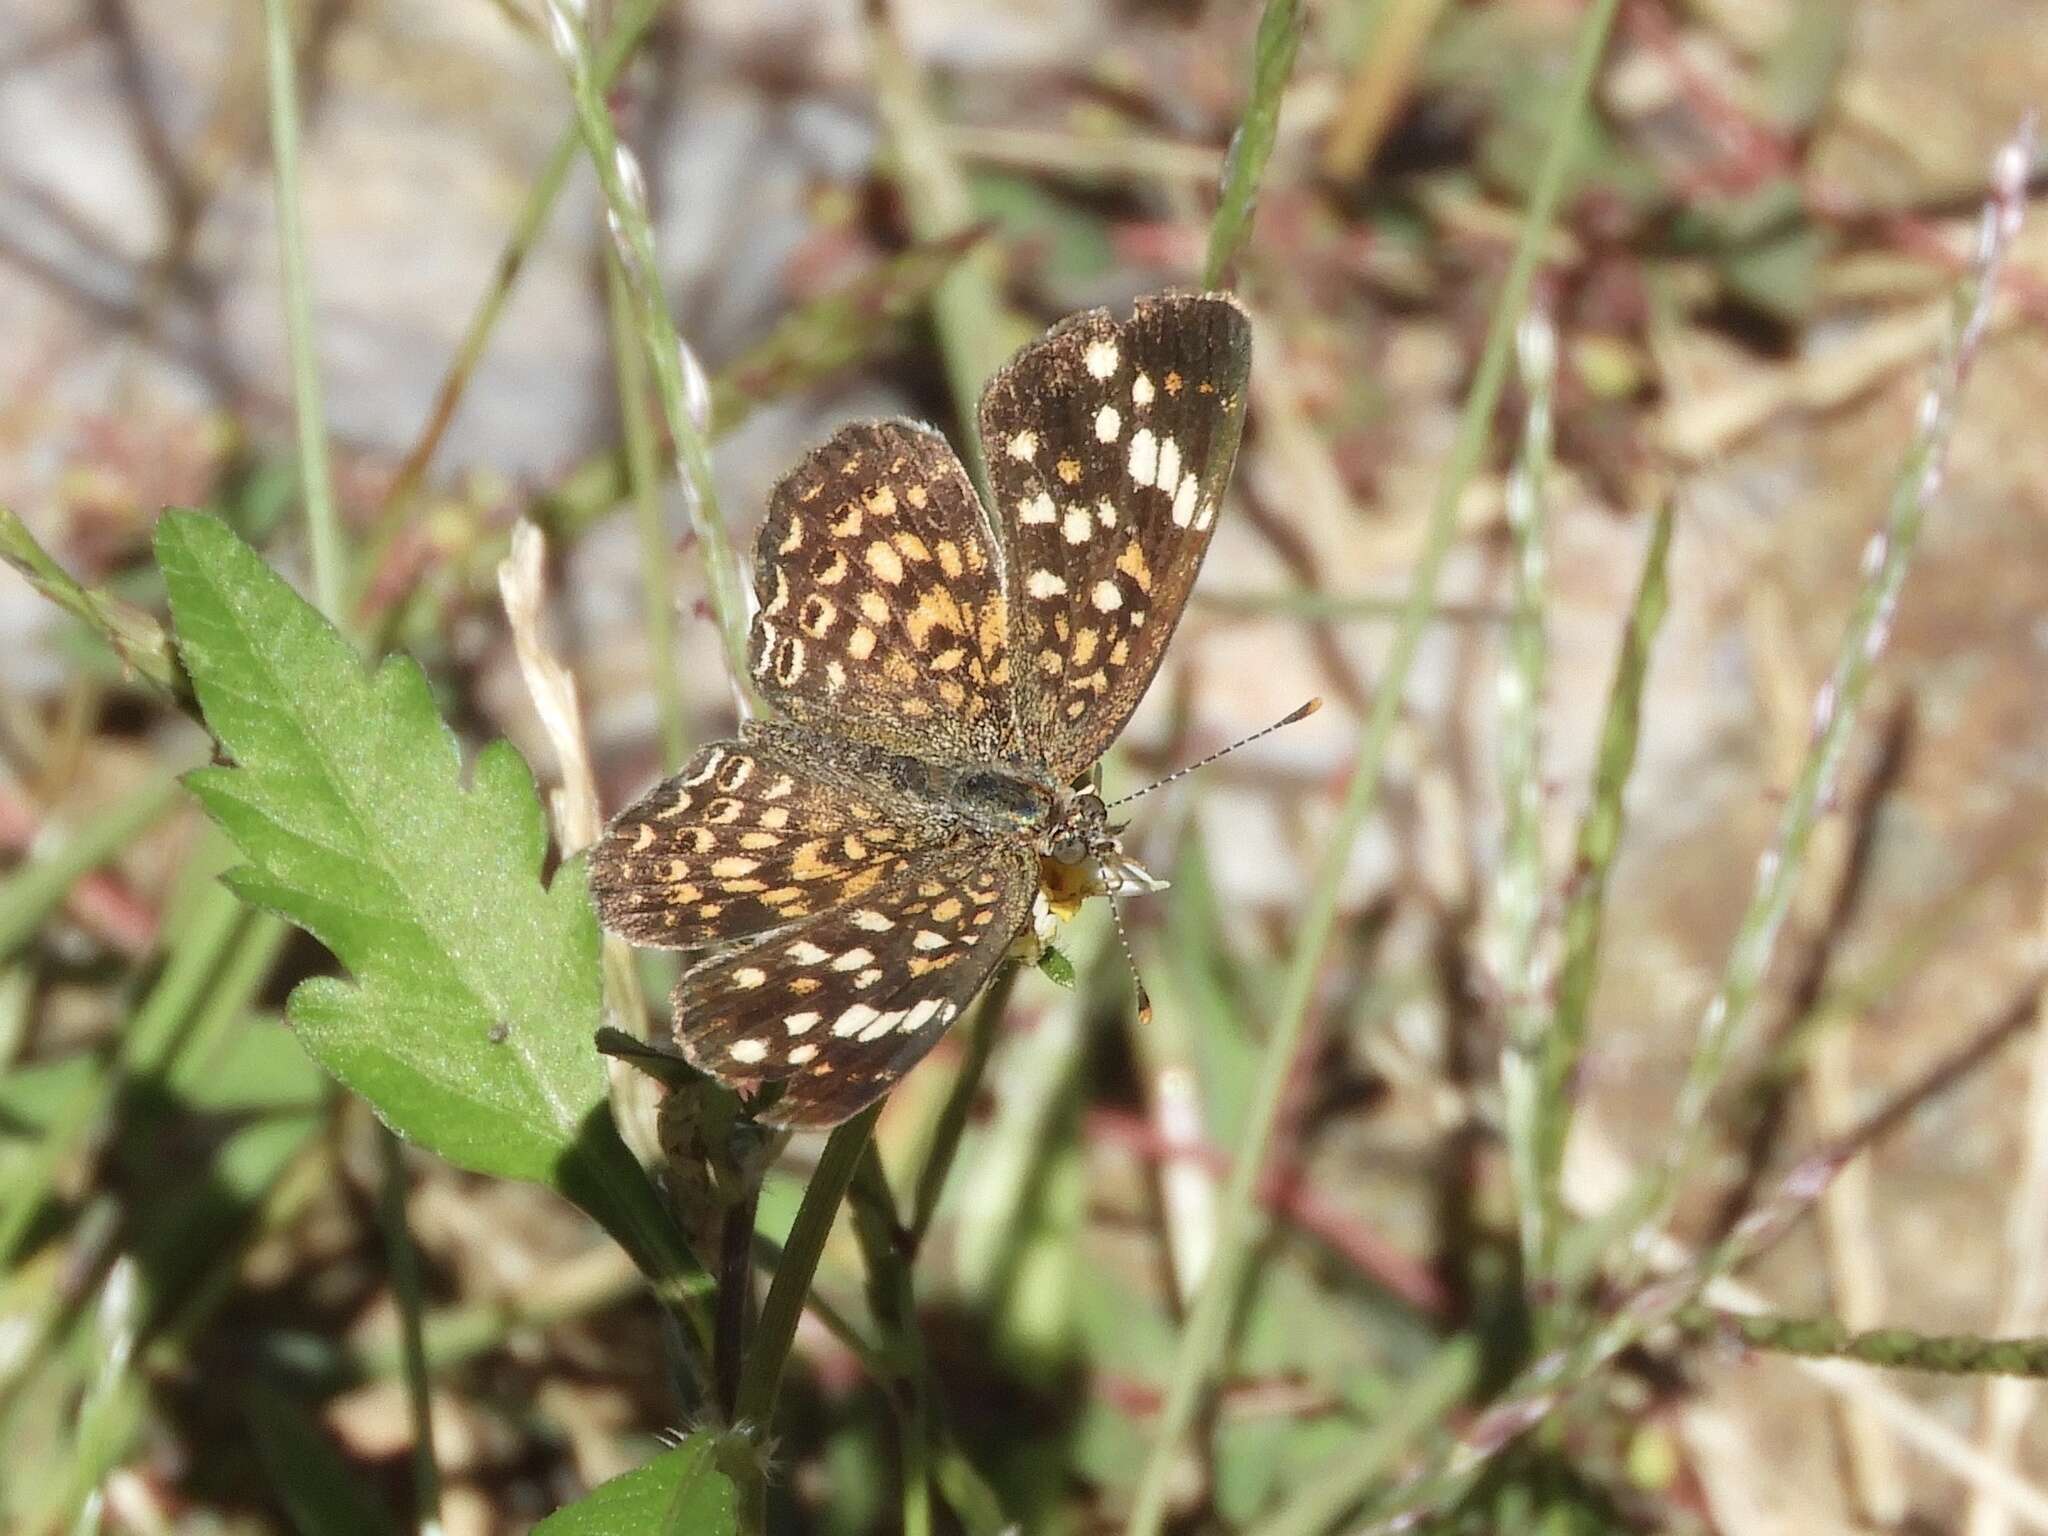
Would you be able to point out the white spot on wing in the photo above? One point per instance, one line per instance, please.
(857, 1017)
(804, 952)
(868, 919)
(1141, 389)
(852, 960)
(1107, 598)
(1184, 501)
(1044, 584)
(799, 1023)
(1038, 509)
(1076, 526)
(1169, 463)
(749, 976)
(747, 1052)
(1144, 465)
(800, 1054)
(1101, 358)
(1109, 424)
(1023, 445)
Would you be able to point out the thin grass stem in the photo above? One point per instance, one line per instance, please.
(1599, 840)
(136, 637)
(617, 50)
(1558, 1374)
(976, 330)
(1203, 1341)
(776, 1328)
(657, 550)
(1837, 705)
(402, 1262)
(316, 480)
(893, 1301)
(1897, 1349)
(1273, 51)
(1325, 1496)
(1521, 974)
(683, 407)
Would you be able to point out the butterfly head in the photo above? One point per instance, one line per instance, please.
(1081, 854)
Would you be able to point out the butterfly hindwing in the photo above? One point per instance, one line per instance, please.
(839, 1006)
(1109, 445)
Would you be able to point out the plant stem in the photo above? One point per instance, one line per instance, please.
(893, 1301)
(1273, 50)
(618, 48)
(1836, 707)
(1521, 975)
(1599, 840)
(135, 636)
(402, 1260)
(776, 1329)
(315, 480)
(975, 330)
(1899, 1349)
(643, 482)
(625, 193)
(1203, 1340)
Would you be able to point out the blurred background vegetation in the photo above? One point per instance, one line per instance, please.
(210, 1254)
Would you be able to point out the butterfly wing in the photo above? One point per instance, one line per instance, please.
(1109, 445)
(882, 615)
(752, 835)
(839, 1006)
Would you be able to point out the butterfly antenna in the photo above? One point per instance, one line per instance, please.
(1202, 762)
(1123, 939)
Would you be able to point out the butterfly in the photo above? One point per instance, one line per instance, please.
(844, 879)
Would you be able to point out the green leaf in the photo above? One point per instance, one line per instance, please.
(679, 1493)
(474, 994)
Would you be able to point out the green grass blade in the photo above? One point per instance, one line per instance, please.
(1273, 51)
(1202, 1342)
(1897, 1349)
(1837, 705)
(625, 193)
(1519, 962)
(1599, 840)
(776, 1329)
(316, 479)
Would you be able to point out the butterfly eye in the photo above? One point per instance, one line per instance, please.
(1068, 847)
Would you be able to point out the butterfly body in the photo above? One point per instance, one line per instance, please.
(847, 877)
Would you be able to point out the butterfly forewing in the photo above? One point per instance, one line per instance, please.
(1109, 446)
(881, 602)
(839, 1006)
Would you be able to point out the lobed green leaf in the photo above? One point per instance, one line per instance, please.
(679, 1493)
(473, 992)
